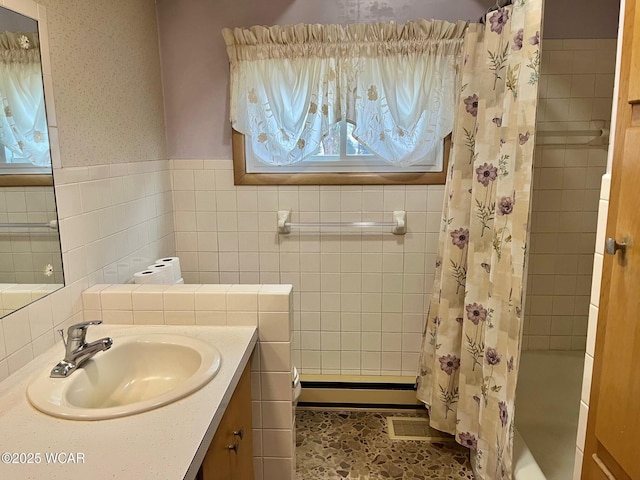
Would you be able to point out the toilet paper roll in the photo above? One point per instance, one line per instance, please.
(174, 263)
(179, 282)
(148, 277)
(165, 271)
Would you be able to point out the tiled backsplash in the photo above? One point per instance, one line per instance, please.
(113, 219)
(267, 307)
(16, 295)
(359, 298)
(576, 87)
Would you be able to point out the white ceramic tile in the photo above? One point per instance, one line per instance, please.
(591, 329)
(277, 468)
(148, 297)
(20, 358)
(4, 370)
(582, 425)
(276, 386)
(16, 330)
(180, 297)
(40, 317)
(242, 318)
(117, 297)
(597, 279)
(242, 298)
(276, 415)
(117, 317)
(146, 317)
(174, 317)
(211, 297)
(276, 443)
(586, 379)
(577, 466)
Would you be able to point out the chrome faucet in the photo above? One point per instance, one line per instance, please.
(78, 351)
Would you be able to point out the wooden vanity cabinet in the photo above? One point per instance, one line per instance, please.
(230, 454)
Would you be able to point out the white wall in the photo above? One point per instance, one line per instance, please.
(359, 298)
(576, 88)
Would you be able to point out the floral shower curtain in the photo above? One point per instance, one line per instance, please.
(471, 346)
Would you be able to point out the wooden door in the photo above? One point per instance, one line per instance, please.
(612, 450)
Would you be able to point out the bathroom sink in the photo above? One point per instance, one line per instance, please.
(139, 373)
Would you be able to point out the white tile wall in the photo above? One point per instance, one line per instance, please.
(24, 253)
(359, 298)
(268, 307)
(126, 227)
(592, 324)
(576, 88)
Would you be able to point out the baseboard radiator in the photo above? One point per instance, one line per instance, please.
(367, 391)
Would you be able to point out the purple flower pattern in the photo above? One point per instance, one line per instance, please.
(460, 237)
(518, 38)
(449, 364)
(504, 413)
(487, 124)
(492, 357)
(471, 103)
(505, 206)
(476, 313)
(498, 20)
(535, 40)
(468, 440)
(486, 173)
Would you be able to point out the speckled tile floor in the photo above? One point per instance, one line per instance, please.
(354, 445)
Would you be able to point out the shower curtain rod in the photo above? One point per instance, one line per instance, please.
(499, 4)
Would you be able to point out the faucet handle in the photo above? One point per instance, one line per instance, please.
(61, 333)
(79, 330)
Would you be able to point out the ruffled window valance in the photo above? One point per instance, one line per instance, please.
(395, 83)
(16, 47)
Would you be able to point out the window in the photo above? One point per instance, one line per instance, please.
(312, 103)
(341, 152)
(353, 165)
(14, 164)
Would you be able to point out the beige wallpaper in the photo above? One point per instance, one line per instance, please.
(106, 78)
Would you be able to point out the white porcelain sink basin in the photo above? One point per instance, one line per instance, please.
(137, 374)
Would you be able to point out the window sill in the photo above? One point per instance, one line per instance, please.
(241, 177)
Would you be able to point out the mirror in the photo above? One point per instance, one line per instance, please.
(30, 254)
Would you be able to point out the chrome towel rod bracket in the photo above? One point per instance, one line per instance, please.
(398, 226)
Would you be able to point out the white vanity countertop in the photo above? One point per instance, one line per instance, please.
(166, 443)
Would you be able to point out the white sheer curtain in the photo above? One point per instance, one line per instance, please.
(23, 122)
(395, 83)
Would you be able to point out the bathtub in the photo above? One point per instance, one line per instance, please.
(547, 408)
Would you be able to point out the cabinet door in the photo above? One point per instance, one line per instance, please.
(242, 460)
(230, 455)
